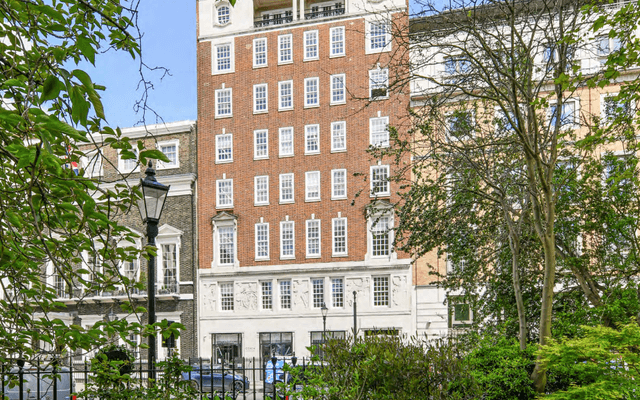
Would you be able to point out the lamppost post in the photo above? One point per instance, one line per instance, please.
(150, 205)
(355, 315)
(324, 310)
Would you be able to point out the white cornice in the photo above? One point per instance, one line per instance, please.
(169, 128)
(181, 185)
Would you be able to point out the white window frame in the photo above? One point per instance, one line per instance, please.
(259, 226)
(281, 50)
(256, 154)
(124, 166)
(283, 179)
(603, 111)
(369, 36)
(256, 53)
(335, 196)
(447, 128)
(338, 89)
(226, 285)
(321, 285)
(281, 132)
(381, 210)
(167, 236)
(214, 66)
(572, 124)
(338, 127)
(311, 42)
(293, 240)
(219, 93)
(373, 122)
(217, 13)
(260, 194)
(309, 94)
(336, 44)
(379, 79)
(386, 302)
(227, 222)
(219, 203)
(309, 225)
(282, 99)
(260, 104)
(169, 165)
(374, 192)
(308, 176)
(284, 298)
(266, 297)
(335, 253)
(334, 292)
(91, 162)
(309, 132)
(219, 138)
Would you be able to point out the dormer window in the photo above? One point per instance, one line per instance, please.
(223, 14)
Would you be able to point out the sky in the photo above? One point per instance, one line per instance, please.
(169, 41)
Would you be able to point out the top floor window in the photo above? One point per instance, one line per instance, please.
(379, 36)
(170, 150)
(460, 125)
(285, 50)
(224, 14)
(260, 52)
(311, 45)
(606, 45)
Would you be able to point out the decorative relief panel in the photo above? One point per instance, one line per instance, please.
(247, 296)
(209, 296)
(399, 291)
(301, 294)
(361, 286)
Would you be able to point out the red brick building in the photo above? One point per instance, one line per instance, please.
(293, 212)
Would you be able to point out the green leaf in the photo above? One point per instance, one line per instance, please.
(51, 88)
(86, 48)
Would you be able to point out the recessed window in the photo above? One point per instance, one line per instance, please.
(261, 144)
(285, 50)
(380, 180)
(169, 257)
(460, 125)
(224, 148)
(285, 294)
(285, 141)
(260, 52)
(227, 245)
(338, 95)
(226, 297)
(378, 84)
(223, 103)
(337, 41)
(379, 38)
(339, 184)
(380, 291)
(318, 292)
(611, 107)
(338, 136)
(312, 186)
(455, 68)
(170, 150)
(224, 14)
(260, 101)
(339, 237)
(606, 45)
(312, 139)
(310, 45)
(568, 116)
(223, 58)
(286, 188)
(379, 131)
(285, 95)
(128, 164)
(91, 163)
(380, 237)
(261, 184)
(224, 195)
(311, 95)
(287, 240)
(266, 295)
(313, 238)
(337, 292)
(262, 241)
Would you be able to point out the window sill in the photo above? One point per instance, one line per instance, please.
(285, 156)
(374, 195)
(339, 255)
(311, 200)
(338, 103)
(339, 198)
(285, 62)
(162, 168)
(224, 161)
(224, 208)
(260, 158)
(337, 55)
(313, 256)
(230, 71)
(260, 112)
(311, 105)
(311, 59)
(285, 109)
(260, 66)
(223, 116)
(287, 202)
(263, 259)
(379, 98)
(312, 153)
(338, 150)
(288, 258)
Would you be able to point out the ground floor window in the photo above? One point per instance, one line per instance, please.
(226, 347)
(381, 332)
(275, 344)
(319, 337)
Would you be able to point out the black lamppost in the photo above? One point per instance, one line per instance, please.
(324, 310)
(355, 315)
(150, 205)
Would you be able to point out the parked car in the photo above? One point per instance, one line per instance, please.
(32, 380)
(203, 379)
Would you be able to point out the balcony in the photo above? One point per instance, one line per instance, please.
(281, 17)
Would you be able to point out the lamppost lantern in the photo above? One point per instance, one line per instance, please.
(154, 195)
(324, 310)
